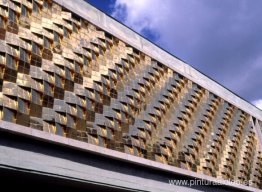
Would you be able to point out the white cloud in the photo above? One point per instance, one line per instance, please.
(139, 14)
(220, 38)
(258, 103)
(170, 20)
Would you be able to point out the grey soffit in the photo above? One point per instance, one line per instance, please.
(107, 23)
(90, 148)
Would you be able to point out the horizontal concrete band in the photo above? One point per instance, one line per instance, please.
(107, 153)
(125, 34)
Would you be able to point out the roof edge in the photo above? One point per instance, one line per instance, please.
(129, 36)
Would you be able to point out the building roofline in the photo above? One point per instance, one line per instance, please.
(104, 21)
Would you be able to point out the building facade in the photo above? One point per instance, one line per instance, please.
(87, 77)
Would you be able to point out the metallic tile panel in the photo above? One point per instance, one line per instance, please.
(61, 74)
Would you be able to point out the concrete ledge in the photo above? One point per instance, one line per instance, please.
(107, 153)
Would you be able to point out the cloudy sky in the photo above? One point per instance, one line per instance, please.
(221, 38)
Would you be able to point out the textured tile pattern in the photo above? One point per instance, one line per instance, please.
(61, 74)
